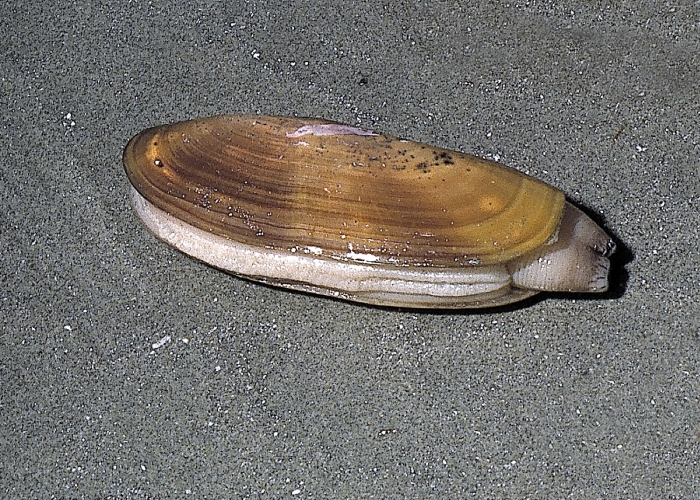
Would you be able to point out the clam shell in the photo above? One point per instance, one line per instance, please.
(342, 211)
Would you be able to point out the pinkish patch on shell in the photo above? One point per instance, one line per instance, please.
(330, 129)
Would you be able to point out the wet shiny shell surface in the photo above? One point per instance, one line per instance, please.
(306, 185)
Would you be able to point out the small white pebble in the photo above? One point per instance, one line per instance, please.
(161, 342)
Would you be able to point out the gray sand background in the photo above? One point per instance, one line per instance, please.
(129, 370)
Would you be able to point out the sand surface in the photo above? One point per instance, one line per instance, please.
(128, 370)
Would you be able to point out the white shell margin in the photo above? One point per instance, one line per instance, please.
(373, 284)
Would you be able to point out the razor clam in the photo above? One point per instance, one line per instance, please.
(337, 210)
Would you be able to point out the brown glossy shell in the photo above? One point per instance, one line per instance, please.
(291, 183)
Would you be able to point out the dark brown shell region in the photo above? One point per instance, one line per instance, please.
(291, 183)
